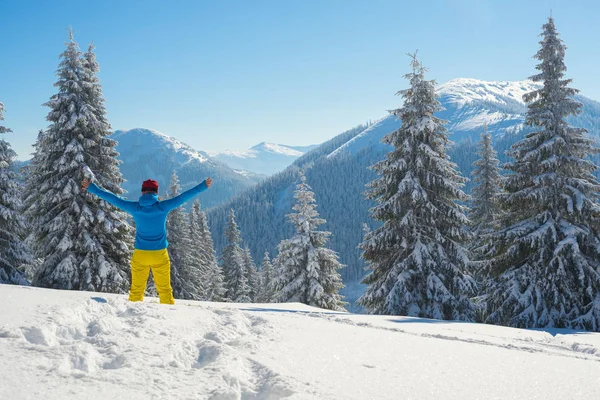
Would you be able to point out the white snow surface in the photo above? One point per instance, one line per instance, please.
(72, 345)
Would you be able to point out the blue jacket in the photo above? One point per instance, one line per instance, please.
(149, 214)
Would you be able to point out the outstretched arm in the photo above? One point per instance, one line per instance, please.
(176, 201)
(109, 197)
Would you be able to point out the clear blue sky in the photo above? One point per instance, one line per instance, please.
(226, 74)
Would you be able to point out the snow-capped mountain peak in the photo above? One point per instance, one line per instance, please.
(151, 136)
(259, 149)
(276, 149)
(464, 91)
(469, 104)
(264, 158)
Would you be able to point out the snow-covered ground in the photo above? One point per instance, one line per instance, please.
(81, 345)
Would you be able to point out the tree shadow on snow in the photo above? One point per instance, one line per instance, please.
(561, 331)
(551, 331)
(290, 311)
(413, 320)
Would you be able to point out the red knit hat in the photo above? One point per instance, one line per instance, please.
(150, 186)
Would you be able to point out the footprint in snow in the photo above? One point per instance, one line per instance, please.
(207, 354)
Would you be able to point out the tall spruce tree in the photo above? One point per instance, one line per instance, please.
(30, 196)
(307, 271)
(214, 286)
(14, 254)
(545, 263)
(112, 231)
(233, 264)
(251, 274)
(418, 262)
(84, 243)
(197, 252)
(485, 208)
(485, 215)
(266, 292)
(184, 275)
(485, 212)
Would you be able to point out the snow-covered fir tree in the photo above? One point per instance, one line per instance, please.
(485, 208)
(83, 242)
(14, 255)
(251, 274)
(31, 176)
(485, 211)
(185, 275)
(197, 251)
(266, 294)
(417, 257)
(111, 231)
(306, 270)
(214, 286)
(546, 261)
(233, 264)
(485, 214)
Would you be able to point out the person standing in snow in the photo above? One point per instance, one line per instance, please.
(150, 252)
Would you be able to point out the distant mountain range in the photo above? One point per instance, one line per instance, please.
(338, 170)
(264, 158)
(468, 105)
(149, 154)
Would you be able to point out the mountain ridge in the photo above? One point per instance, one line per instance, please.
(150, 154)
(264, 158)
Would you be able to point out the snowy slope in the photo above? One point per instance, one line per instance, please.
(149, 154)
(370, 137)
(72, 345)
(264, 158)
(470, 103)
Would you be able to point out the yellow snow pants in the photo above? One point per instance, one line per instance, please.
(141, 263)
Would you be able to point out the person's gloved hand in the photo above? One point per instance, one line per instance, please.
(208, 182)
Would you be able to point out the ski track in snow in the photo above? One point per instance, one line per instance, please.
(550, 346)
(91, 342)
